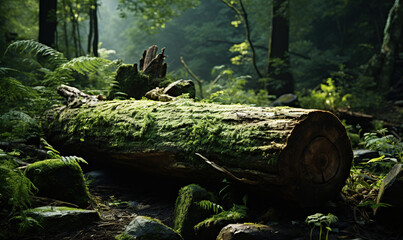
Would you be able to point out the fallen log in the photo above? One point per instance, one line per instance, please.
(304, 155)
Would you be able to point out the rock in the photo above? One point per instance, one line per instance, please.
(158, 95)
(59, 180)
(399, 103)
(187, 211)
(361, 155)
(246, 231)
(60, 219)
(100, 177)
(287, 99)
(391, 192)
(180, 87)
(145, 228)
(210, 228)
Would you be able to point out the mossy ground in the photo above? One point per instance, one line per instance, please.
(59, 180)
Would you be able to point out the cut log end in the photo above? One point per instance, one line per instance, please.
(316, 161)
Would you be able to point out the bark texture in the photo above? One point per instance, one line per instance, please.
(303, 155)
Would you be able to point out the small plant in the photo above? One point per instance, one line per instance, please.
(54, 154)
(385, 144)
(320, 220)
(209, 205)
(329, 97)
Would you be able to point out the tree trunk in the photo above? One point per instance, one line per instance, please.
(47, 22)
(301, 155)
(95, 22)
(278, 64)
(381, 66)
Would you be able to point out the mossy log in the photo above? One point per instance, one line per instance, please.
(304, 155)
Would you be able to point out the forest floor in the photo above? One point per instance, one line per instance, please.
(120, 201)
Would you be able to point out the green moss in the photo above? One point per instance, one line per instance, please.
(59, 180)
(235, 214)
(54, 209)
(132, 82)
(187, 212)
(185, 125)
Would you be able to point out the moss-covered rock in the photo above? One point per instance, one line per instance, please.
(59, 219)
(59, 180)
(211, 227)
(180, 87)
(145, 228)
(187, 210)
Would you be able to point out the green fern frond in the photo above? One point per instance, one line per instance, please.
(5, 71)
(69, 159)
(64, 73)
(11, 89)
(209, 205)
(55, 57)
(84, 64)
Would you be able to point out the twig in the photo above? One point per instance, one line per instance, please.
(198, 80)
(226, 172)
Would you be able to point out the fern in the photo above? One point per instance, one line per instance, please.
(82, 65)
(5, 71)
(54, 154)
(11, 90)
(209, 205)
(35, 48)
(69, 159)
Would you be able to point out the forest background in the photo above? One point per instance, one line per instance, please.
(337, 55)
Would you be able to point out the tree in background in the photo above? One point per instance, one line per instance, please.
(277, 70)
(47, 22)
(381, 66)
(278, 67)
(93, 35)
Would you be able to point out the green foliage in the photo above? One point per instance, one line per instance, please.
(15, 188)
(54, 154)
(156, 13)
(18, 125)
(385, 144)
(209, 205)
(31, 47)
(236, 213)
(229, 89)
(366, 177)
(329, 97)
(29, 83)
(320, 220)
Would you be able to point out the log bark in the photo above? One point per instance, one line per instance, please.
(303, 155)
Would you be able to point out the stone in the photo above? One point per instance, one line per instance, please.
(391, 192)
(180, 87)
(145, 228)
(245, 231)
(211, 227)
(287, 99)
(60, 219)
(187, 212)
(59, 180)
